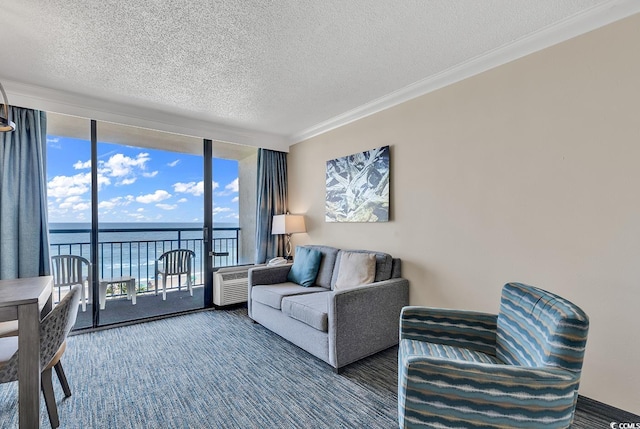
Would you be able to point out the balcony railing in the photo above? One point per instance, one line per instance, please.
(133, 252)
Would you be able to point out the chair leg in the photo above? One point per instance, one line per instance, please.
(164, 287)
(131, 288)
(49, 398)
(83, 300)
(63, 379)
(102, 295)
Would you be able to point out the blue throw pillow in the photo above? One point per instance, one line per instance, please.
(305, 266)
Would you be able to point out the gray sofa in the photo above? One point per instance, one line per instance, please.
(339, 326)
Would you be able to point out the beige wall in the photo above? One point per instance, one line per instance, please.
(529, 172)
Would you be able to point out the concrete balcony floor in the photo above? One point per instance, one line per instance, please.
(120, 309)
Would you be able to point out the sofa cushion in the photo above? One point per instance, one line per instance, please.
(384, 263)
(356, 269)
(422, 348)
(272, 295)
(309, 308)
(305, 266)
(328, 262)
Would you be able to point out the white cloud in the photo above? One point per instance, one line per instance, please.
(120, 165)
(167, 206)
(82, 206)
(157, 196)
(140, 209)
(233, 186)
(183, 200)
(235, 200)
(115, 202)
(193, 188)
(174, 163)
(82, 165)
(128, 181)
(217, 210)
(71, 202)
(65, 186)
(53, 142)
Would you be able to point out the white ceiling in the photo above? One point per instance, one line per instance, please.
(263, 72)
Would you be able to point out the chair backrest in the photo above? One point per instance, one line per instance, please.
(54, 329)
(537, 328)
(56, 325)
(67, 270)
(177, 261)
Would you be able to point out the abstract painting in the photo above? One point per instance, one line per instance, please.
(358, 187)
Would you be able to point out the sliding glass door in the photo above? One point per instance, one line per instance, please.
(151, 258)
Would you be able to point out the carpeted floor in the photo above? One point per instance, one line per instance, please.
(216, 369)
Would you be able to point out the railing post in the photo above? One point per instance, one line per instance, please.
(237, 246)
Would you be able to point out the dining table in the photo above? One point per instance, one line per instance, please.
(27, 300)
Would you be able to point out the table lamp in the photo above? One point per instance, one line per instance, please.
(288, 224)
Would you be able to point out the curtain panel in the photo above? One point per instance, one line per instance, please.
(272, 200)
(24, 233)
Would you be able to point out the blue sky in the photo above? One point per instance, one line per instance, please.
(135, 184)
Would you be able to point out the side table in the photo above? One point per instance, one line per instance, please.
(129, 281)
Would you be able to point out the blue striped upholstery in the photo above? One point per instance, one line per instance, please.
(519, 369)
(538, 328)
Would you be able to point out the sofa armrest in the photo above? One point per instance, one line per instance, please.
(265, 275)
(458, 328)
(546, 396)
(364, 320)
(268, 275)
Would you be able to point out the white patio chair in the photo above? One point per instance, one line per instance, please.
(174, 263)
(67, 271)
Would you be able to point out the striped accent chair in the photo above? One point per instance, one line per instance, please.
(517, 369)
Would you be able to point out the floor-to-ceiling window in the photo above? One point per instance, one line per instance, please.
(149, 200)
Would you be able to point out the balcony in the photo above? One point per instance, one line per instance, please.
(133, 252)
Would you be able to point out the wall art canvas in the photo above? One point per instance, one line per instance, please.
(358, 187)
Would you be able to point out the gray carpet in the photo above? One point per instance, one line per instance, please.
(216, 369)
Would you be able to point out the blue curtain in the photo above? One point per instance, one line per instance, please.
(272, 200)
(24, 234)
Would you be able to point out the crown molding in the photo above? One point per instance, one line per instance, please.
(569, 28)
(47, 99)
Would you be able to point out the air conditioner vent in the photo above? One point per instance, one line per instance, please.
(230, 285)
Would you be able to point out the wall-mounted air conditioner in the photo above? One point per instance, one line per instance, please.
(230, 285)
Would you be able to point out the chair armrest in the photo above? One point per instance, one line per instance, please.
(458, 328)
(364, 320)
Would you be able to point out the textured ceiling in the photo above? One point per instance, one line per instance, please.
(277, 67)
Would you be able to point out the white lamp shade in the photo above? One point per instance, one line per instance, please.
(288, 224)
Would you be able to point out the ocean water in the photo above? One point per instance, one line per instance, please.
(132, 248)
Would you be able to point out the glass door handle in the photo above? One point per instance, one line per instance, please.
(218, 253)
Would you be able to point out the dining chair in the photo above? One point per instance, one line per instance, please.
(54, 329)
(68, 270)
(174, 263)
